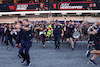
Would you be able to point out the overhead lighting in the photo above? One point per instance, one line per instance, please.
(10, 14)
(64, 13)
(37, 13)
(78, 13)
(22, 14)
(0, 14)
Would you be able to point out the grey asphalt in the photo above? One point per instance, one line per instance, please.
(48, 57)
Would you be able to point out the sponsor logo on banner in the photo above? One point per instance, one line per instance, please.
(67, 6)
(22, 7)
(27, 6)
(72, 5)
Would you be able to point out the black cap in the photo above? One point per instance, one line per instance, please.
(70, 21)
(42, 21)
(56, 21)
(25, 19)
(20, 21)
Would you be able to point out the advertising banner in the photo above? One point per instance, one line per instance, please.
(77, 5)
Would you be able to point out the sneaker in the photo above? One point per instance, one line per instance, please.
(62, 41)
(72, 48)
(44, 45)
(55, 47)
(12, 46)
(8, 47)
(58, 47)
(23, 62)
(28, 65)
(92, 62)
(87, 53)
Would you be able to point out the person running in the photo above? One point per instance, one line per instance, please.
(36, 32)
(57, 30)
(18, 37)
(63, 37)
(78, 30)
(69, 33)
(42, 33)
(4, 29)
(96, 45)
(9, 36)
(26, 42)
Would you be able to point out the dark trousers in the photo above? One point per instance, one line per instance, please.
(18, 41)
(9, 38)
(42, 37)
(14, 37)
(57, 40)
(25, 45)
(3, 37)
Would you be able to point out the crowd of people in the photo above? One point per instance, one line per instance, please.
(23, 32)
(92, 6)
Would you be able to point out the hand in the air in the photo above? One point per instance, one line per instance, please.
(17, 26)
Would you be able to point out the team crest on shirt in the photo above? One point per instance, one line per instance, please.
(58, 26)
(54, 26)
(29, 26)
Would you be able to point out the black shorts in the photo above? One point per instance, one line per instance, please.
(69, 35)
(64, 34)
(18, 40)
(92, 37)
(97, 47)
(97, 44)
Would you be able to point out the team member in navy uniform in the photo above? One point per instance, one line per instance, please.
(9, 36)
(18, 38)
(96, 45)
(26, 42)
(2, 33)
(4, 28)
(0, 30)
(57, 34)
